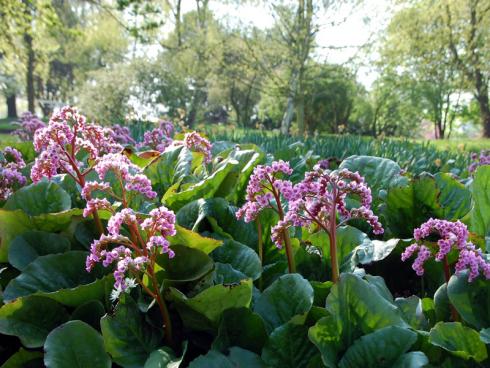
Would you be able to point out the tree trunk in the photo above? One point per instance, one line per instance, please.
(30, 73)
(12, 106)
(482, 98)
(485, 118)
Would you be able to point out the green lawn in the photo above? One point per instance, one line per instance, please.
(466, 145)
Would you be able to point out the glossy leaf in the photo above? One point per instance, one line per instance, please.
(288, 296)
(31, 319)
(480, 220)
(75, 345)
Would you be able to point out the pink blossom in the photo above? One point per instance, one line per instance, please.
(451, 235)
(11, 178)
(195, 142)
(29, 124)
(483, 159)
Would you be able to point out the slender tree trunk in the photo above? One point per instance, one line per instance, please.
(30, 73)
(12, 106)
(483, 102)
(288, 114)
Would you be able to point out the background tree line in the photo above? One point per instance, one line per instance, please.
(157, 57)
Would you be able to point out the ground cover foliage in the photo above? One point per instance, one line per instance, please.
(176, 251)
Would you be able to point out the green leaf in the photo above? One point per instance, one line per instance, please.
(288, 296)
(240, 257)
(212, 359)
(348, 238)
(170, 168)
(412, 311)
(240, 327)
(217, 215)
(206, 188)
(471, 299)
(414, 359)
(24, 359)
(40, 198)
(327, 337)
(12, 224)
(189, 264)
(224, 273)
(288, 347)
(480, 220)
(244, 358)
(61, 277)
(31, 319)
(128, 338)
(360, 309)
(381, 348)
(442, 305)
(75, 344)
(234, 185)
(380, 173)
(426, 196)
(373, 251)
(203, 312)
(192, 239)
(485, 335)
(90, 312)
(163, 358)
(459, 340)
(27, 247)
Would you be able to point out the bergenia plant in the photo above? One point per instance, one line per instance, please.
(267, 189)
(319, 199)
(160, 137)
(449, 236)
(479, 160)
(11, 178)
(29, 124)
(69, 145)
(120, 134)
(134, 240)
(196, 143)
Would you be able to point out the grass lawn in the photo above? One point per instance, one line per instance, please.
(466, 145)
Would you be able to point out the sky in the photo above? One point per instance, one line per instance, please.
(353, 28)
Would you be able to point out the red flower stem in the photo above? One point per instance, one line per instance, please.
(447, 276)
(332, 236)
(167, 323)
(260, 247)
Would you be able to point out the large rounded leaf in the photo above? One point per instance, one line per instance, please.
(27, 247)
(381, 348)
(75, 345)
(414, 359)
(360, 309)
(459, 340)
(471, 299)
(288, 296)
(203, 311)
(61, 277)
(480, 218)
(217, 215)
(189, 264)
(31, 319)
(192, 239)
(128, 338)
(288, 347)
(240, 257)
(240, 327)
(40, 198)
(206, 188)
(380, 173)
(12, 224)
(237, 358)
(24, 359)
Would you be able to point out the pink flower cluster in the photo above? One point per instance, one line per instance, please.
(159, 138)
(29, 124)
(482, 159)
(11, 178)
(128, 256)
(195, 142)
(66, 137)
(263, 185)
(451, 235)
(120, 134)
(129, 180)
(321, 196)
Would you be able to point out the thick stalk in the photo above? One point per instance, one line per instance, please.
(95, 215)
(332, 236)
(287, 239)
(260, 247)
(447, 277)
(167, 323)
